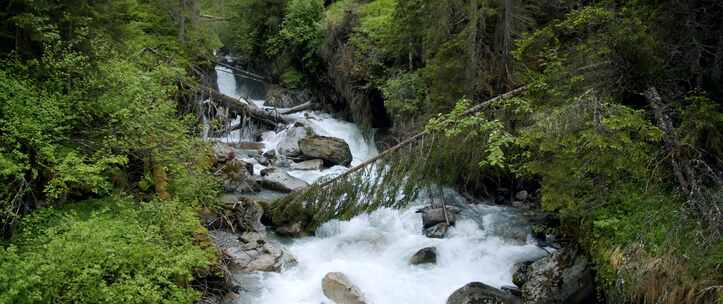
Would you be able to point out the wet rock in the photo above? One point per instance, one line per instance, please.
(291, 230)
(338, 288)
(235, 175)
(434, 216)
(251, 252)
(427, 255)
(248, 214)
(511, 290)
(521, 195)
(262, 160)
(479, 293)
(332, 150)
(520, 273)
(277, 96)
(270, 154)
(437, 231)
(563, 277)
(279, 180)
(289, 146)
(223, 152)
(314, 164)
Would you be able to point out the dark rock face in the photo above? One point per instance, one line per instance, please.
(563, 277)
(338, 288)
(280, 97)
(427, 255)
(479, 293)
(332, 150)
(520, 273)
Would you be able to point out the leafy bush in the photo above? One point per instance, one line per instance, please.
(104, 251)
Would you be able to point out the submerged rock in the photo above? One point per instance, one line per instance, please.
(427, 255)
(279, 180)
(479, 293)
(338, 288)
(437, 231)
(333, 150)
(563, 277)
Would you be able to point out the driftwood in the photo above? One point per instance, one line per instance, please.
(302, 107)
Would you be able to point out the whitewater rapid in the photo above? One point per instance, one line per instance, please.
(373, 250)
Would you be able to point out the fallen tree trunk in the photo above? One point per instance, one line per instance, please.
(244, 107)
(302, 107)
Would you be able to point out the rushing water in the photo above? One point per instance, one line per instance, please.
(373, 249)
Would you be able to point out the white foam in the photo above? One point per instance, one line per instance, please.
(373, 251)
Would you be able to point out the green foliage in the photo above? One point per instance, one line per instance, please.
(404, 95)
(300, 34)
(104, 251)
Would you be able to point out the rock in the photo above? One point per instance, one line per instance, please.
(291, 230)
(518, 204)
(251, 252)
(511, 290)
(520, 273)
(332, 150)
(235, 175)
(434, 216)
(521, 195)
(277, 96)
(427, 255)
(563, 277)
(278, 180)
(338, 288)
(314, 164)
(479, 293)
(270, 154)
(262, 160)
(248, 215)
(437, 231)
(223, 152)
(289, 145)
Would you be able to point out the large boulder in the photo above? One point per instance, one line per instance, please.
(563, 277)
(279, 180)
(427, 255)
(338, 288)
(479, 293)
(251, 252)
(433, 216)
(332, 150)
(289, 145)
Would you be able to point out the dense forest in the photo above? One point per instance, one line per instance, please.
(617, 129)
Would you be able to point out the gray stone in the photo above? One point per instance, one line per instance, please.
(251, 252)
(235, 175)
(437, 231)
(427, 255)
(522, 195)
(479, 293)
(563, 277)
(291, 230)
(248, 214)
(289, 145)
(434, 216)
(332, 150)
(223, 152)
(279, 180)
(338, 288)
(314, 164)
